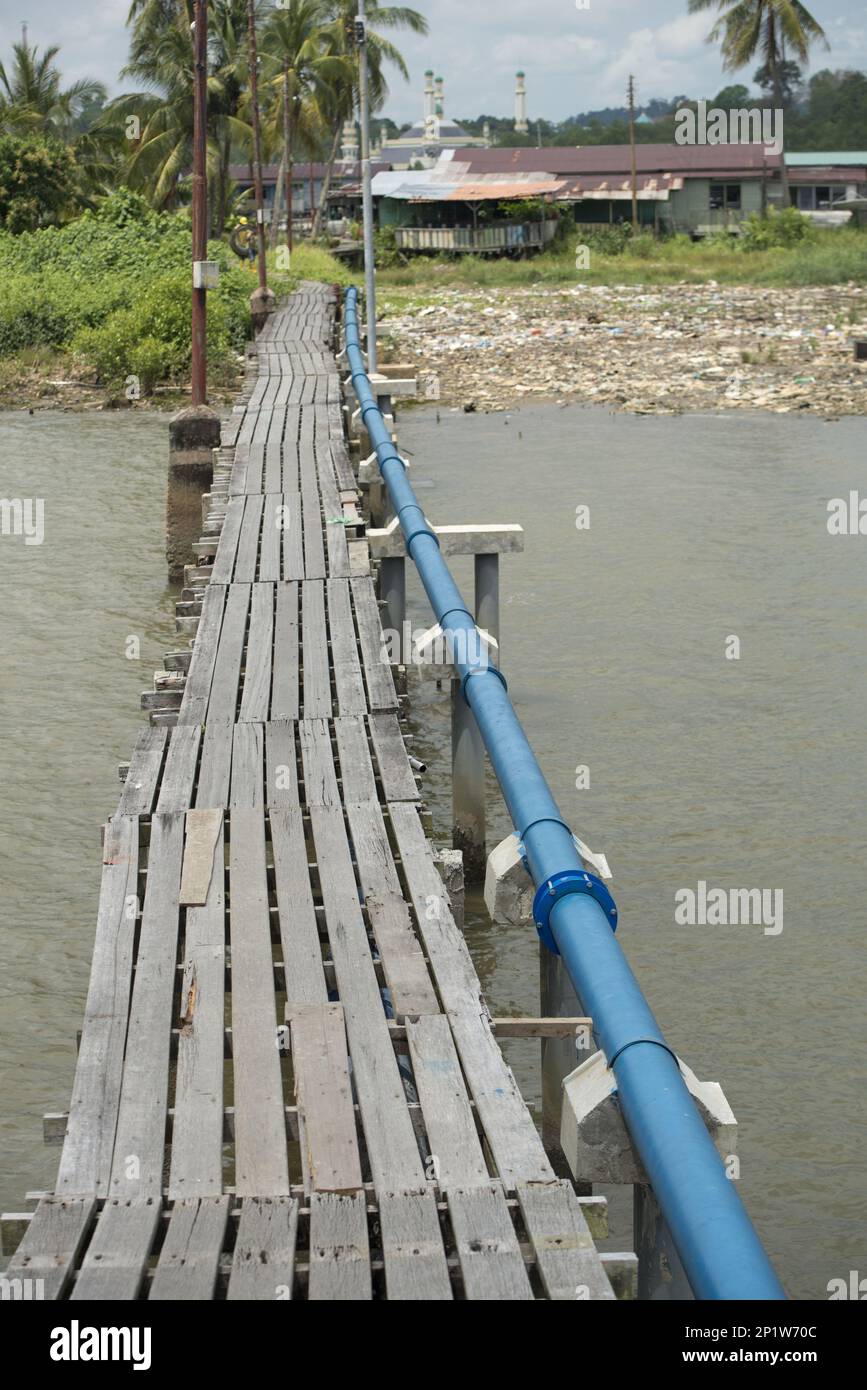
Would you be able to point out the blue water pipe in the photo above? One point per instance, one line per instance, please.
(715, 1239)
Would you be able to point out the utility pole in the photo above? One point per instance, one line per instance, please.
(262, 300)
(631, 99)
(200, 201)
(367, 195)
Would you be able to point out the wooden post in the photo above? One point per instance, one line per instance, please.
(200, 201)
(194, 432)
(631, 96)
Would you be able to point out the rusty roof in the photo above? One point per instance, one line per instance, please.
(689, 160)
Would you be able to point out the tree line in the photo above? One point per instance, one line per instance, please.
(63, 148)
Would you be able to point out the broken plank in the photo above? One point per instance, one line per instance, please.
(263, 1261)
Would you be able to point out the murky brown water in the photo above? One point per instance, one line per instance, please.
(746, 773)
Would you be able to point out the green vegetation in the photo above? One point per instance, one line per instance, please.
(113, 289)
(110, 293)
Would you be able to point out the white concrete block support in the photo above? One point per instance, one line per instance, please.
(598, 1149)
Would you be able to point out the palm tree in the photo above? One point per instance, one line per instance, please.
(161, 57)
(298, 52)
(769, 27)
(380, 51)
(32, 96)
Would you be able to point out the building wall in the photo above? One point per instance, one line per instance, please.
(689, 207)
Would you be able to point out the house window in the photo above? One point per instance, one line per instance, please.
(818, 196)
(725, 197)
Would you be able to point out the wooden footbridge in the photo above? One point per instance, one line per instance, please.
(288, 1082)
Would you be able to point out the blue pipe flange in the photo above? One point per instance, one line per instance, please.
(482, 671)
(560, 886)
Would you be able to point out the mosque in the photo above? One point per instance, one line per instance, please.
(420, 146)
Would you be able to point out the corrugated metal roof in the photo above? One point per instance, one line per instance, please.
(837, 158)
(615, 159)
(449, 184)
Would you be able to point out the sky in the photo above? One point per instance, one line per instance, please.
(575, 59)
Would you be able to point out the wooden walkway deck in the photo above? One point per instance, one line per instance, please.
(288, 1085)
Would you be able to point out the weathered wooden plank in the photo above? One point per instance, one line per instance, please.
(197, 1134)
(116, 1261)
(517, 1149)
(492, 1267)
(351, 697)
(317, 760)
(402, 958)
(285, 702)
(412, 1248)
(272, 482)
(85, 1163)
(246, 560)
(299, 932)
(567, 1259)
(281, 776)
(227, 667)
(389, 1135)
(324, 1095)
(317, 678)
(197, 690)
(314, 546)
(339, 1248)
(270, 559)
(216, 768)
(356, 768)
(457, 1155)
(179, 772)
(263, 1262)
(293, 536)
(203, 828)
(395, 773)
(377, 671)
(261, 1160)
(190, 1258)
(139, 789)
(52, 1244)
(139, 1148)
(224, 562)
(247, 775)
(256, 695)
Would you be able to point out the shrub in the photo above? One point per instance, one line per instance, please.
(786, 228)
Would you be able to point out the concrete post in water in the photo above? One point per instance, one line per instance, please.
(194, 434)
(468, 785)
(392, 591)
(488, 594)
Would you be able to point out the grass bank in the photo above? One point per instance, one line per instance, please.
(826, 258)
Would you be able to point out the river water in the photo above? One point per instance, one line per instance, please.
(742, 773)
